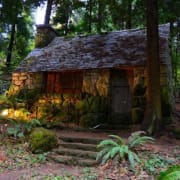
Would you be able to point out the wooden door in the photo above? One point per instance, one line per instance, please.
(120, 98)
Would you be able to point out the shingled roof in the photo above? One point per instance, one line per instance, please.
(113, 49)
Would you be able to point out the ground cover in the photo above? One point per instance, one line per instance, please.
(17, 162)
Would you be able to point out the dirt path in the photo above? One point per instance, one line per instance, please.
(41, 171)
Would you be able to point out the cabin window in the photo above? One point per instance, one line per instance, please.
(64, 82)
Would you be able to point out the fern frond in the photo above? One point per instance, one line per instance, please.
(131, 159)
(140, 140)
(107, 142)
(136, 158)
(172, 173)
(135, 135)
(101, 153)
(119, 140)
(115, 151)
(123, 151)
(106, 157)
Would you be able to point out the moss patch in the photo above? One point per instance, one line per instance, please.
(92, 119)
(42, 140)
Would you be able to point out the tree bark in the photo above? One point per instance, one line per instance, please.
(153, 116)
(129, 12)
(48, 11)
(10, 47)
(90, 17)
(99, 20)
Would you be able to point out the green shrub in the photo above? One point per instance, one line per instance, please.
(117, 147)
(19, 129)
(92, 119)
(172, 173)
(42, 140)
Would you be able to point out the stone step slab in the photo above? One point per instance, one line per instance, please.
(71, 160)
(81, 140)
(75, 152)
(81, 146)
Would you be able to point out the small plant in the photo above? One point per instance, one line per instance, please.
(89, 174)
(19, 129)
(172, 173)
(15, 131)
(31, 124)
(40, 158)
(117, 147)
(156, 161)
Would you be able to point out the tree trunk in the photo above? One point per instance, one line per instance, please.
(10, 47)
(99, 20)
(128, 22)
(153, 116)
(48, 11)
(90, 17)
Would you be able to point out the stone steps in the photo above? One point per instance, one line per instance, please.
(82, 146)
(75, 152)
(80, 151)
(72, 160)
(81, 140)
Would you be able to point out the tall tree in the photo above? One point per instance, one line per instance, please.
(48, 11)
(15, 18)
(129, 14)
(10, 12)
(153, 115)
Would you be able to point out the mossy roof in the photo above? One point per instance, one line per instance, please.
(108, 50)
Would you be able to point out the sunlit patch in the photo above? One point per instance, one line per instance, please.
(4, 112)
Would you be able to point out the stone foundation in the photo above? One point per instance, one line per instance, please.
(25, 81)
(88, 108)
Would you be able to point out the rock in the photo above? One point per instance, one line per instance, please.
(42, 140)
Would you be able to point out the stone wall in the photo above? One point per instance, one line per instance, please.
(96, 82)
(85, 109)
(88, 108)
(25, 81)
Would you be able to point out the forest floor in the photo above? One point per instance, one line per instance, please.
(18, 163)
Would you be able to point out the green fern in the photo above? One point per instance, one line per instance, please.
(172, 173)
(118, 148)
(106, 143)
(136, 139)
(119, 140)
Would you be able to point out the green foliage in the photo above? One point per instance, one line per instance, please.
(172, 173)
(16, 131)
(89, 174)
(136, 139)
(42, 140)
(19, 129)
(117, 147)
(40, 158)
(27, 96)
(16, 14)
(156, 161)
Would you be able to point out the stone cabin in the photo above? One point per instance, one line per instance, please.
(91, 80)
